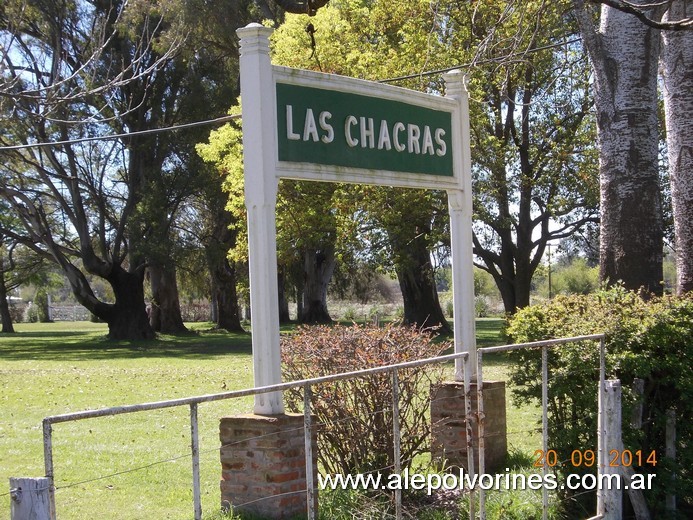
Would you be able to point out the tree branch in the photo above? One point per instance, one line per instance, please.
(638, 10)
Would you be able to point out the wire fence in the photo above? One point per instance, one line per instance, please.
(474, 496)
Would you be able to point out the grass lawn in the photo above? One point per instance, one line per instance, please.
(50, 369)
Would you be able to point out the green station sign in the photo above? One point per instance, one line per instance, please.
(336, 128)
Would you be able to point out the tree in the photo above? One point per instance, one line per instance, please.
(18, 265)
(227, 243)
(122, 67)
(67, 74)
(532, 133)
(307, 238)
(642, 11)
(412, 223)
(306, 225)
(531, 141)
(208, 232)
(624, 54)
(677, 75)
(373, 42)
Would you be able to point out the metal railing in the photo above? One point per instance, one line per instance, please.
(306, 384)
(544, 345)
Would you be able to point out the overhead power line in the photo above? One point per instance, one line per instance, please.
(225, 119)
(208, 122)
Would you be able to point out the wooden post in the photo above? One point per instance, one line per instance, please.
(31, 499)
(613, 498)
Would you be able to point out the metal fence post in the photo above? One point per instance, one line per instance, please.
(671, 453)
(396, 441)
(480, 418)
(195, 449)
(602, 455)
(468, 431)
(544, 427)
(308, 440)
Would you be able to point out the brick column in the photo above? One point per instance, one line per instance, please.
(448, 434)
(263, 464)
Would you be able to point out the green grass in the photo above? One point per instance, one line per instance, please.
(51, 369)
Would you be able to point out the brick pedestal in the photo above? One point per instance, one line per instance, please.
(263, 465)
(449, 438)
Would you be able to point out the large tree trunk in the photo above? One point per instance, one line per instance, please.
(511, 268)
(624, 54)
(165, 314)
(226, 313)
(225, 297)
(5, 315)
(318, 267)
(514, 293)
(677, 72)
(416, 281)
(127, 318)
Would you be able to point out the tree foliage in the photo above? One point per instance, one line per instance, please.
(83, 69)
(646, 340)
(533, 139)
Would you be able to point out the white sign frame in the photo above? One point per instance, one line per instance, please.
(263, 169)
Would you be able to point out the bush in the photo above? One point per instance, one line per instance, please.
(355, 415)
(651, 340)
(481, 307)
(577, 278)
(350, 314)
(31, 313)
(17, 312)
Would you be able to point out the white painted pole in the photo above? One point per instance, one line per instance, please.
(460, 206)
(259, 157)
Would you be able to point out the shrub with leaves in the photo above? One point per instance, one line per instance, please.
(652, 341)
(355, 415)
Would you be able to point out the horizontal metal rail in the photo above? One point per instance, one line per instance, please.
(117, 410)
(544, 343)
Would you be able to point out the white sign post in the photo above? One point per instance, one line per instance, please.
(305, 125)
